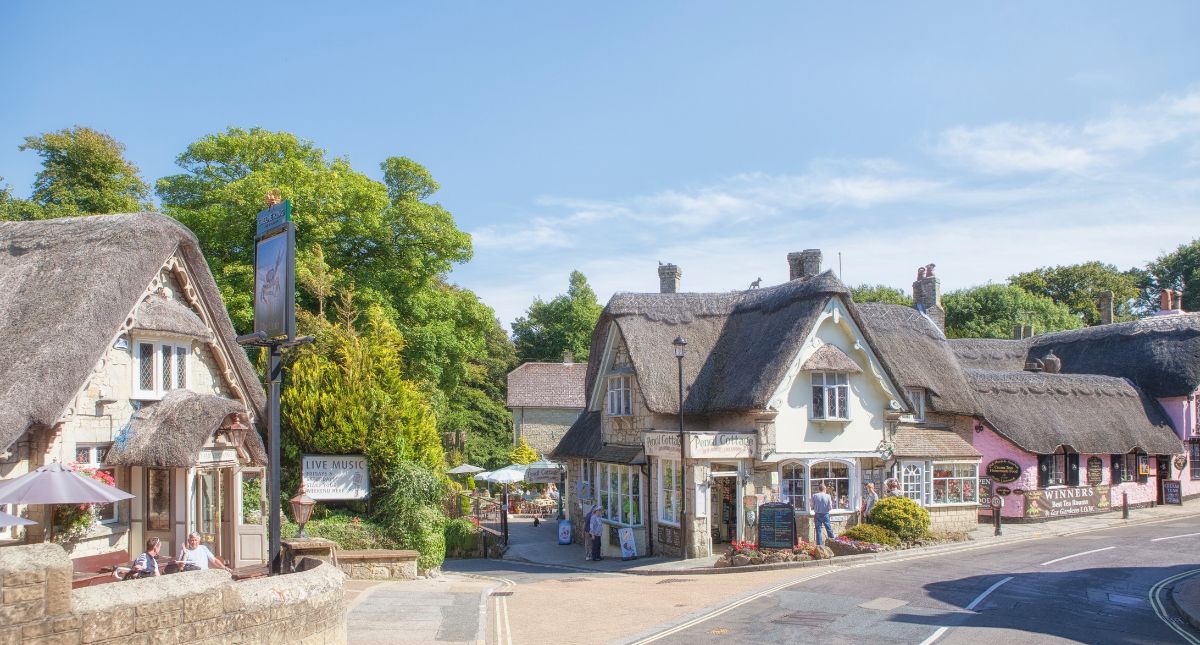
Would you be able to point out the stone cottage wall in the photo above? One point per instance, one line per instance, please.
(542, 428)
(37, 605)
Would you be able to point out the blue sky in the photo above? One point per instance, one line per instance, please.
(986, 138)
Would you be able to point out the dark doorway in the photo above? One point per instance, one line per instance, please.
(1164, 473)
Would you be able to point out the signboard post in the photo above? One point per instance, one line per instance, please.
(776, 526)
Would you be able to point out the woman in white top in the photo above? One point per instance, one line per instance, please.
(197, 555)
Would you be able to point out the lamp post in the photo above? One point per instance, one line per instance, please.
(680, 345)
(302, 508)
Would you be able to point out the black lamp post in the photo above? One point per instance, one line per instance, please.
(680, 345)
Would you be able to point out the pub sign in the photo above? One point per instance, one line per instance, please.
(1004, 471)
(275, 272)
(1064, 502)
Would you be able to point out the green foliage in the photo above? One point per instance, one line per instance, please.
(348, 530)
(1078, 286)
(1179, 270)
(252, 500)
(991, 311)
(462, 537)
(873, 534)
(880, 293)
(564, 324)
(72, 523)
(84, 172)
(408, 505)
(902, 516)
(523, 453)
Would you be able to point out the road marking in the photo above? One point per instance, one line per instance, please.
(1160, 610)
(1172, 537)
(1076, 555)
(502, 634)
(974, 603)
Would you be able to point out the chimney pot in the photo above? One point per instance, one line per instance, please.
(1106, 307)
(804, 264)
(927, 296)
(668, 278)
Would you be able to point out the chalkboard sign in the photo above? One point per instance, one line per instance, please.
(1095, 470)
(776, 526)
(1172, 492)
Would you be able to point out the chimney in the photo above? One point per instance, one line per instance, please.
(1171, 303)
(568, 357)
(668, 278)
(804, 264)
(1106, 307)
(927, 296)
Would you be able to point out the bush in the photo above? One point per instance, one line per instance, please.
(901, 516)
(873, 534)
(351, 532)
(407, 486)
(422, 530)
(462, 537)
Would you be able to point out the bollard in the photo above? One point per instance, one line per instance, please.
(1124, 506)
(996, 519)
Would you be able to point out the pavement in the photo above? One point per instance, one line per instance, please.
(1186, 598)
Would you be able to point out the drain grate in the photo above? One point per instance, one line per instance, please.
(807, 618)
(574, 580)
(667, 581)
(502, 593)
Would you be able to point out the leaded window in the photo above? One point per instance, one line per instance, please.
(145, 369)
(795, 486)
(159, 366)
(830, 395)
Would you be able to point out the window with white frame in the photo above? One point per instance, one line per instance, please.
(620, 400)
(955, 483)
(586, 492)
(912, 481)
(159, 366)
(836, 477)
(670, 484)
(94, 456)
(830, 396)
(619, 492)
(916, 399)
(795, 485)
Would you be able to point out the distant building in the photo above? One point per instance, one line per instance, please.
(545, 399)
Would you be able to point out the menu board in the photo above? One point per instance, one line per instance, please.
(985, 492)
(1172, 492)
(1095, 470)
(1004, 471)
(776, 526)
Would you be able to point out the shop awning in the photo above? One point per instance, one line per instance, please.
(929, 443)
(171, 432)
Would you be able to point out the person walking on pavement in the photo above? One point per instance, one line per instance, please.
(869, 499)
(595, 526)
(822, 503)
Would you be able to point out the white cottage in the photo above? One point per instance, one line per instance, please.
(118, 355)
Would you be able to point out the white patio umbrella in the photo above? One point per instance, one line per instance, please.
(56, 484)
(465, 469)
(508, 474)
(12, 520)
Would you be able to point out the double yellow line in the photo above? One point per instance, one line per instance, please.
(1160, 610)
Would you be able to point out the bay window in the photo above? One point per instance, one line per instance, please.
(830, 396)
(955, 483)
(620, 400)
(795, 486)
(836, 477)
(670, 484)
(619, 492)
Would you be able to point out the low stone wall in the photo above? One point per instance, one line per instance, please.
(378, 564)
(38, 605)
(953, 519)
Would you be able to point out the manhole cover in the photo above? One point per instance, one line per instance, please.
(667, 581)
(502, 593)
(807, 618)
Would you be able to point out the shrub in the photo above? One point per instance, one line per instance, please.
(901, 516)
(462, 537)
(351, 532)
(873, 534)
(423, 530)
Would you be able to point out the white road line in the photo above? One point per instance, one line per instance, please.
(1161, 612)
(1076, 555)
(974, 603)
(1172, 537)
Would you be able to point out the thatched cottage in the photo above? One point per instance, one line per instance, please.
(784, 389)
(118, 355)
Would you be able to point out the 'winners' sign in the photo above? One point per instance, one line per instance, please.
(328, 477)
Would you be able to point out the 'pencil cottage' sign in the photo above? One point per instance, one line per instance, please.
(701, 445)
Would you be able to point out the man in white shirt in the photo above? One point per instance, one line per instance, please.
(197, 555)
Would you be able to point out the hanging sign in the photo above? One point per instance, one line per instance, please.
(1095, 470)
(543, 475)
(1004, 471)
(328, 477)
(275, 272)
(1172, 492)
(1063, 502)
(776, 526)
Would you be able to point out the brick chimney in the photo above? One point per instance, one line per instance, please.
(668, 278)
(927, 296)
(804, 264)
(1106, 307)
(1171, 303)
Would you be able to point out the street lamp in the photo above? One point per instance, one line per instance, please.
(302, 508)
(680, 345)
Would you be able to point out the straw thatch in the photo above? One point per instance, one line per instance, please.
(928, 443)
(170, 433)
(72, 282)
(739, 347)
(919, 355)
(991, 354)
(158, 313)
(1092, 414)
(828, 358)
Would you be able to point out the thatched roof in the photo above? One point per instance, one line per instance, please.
(170, 433)
(931, 443)
(582, 438)
(917, 352)
(158, 313)
(828, 358)
(740, 344)
(1161, 354)
(75, 280)
(547, 385)
(1092, 414)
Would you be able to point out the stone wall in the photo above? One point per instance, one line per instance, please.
(378, 564)
(953, 518)
(37, 605)
(543, 428)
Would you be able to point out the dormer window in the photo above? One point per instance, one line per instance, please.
(620, 396)
(916, 400)
(159, 366)
(830, 396)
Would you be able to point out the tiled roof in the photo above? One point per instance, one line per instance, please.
(547, 385)
(927, 442)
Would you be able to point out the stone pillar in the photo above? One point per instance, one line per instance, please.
(804, 264)
(927, 296)
(668, 278)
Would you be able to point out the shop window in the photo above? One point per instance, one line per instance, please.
(620, 493)
(159, 366)
(1125, 468)
(1058, 469)
(586, 491)
(93, 456)
(1194, 458)
(912, 481)
(836, 477)
(794, 486)
(830, 396)
(916, 399)
(955, 483)
(620, 401)
(670, 484)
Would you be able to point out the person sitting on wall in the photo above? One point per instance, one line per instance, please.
(146, 564)
(196, 556)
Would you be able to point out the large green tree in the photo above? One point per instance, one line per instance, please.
(564, 324)
(991, 311)
(1178, 270)
(84, 172)
(1078, 286)
(880, 293)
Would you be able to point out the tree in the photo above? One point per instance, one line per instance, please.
(880, 293)
(1078, 286)
(564, 324)
(991, 311)
(523, 453)
(1179, 270)
(14, 209)
(84, 172)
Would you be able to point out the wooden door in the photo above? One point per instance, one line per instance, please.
(250, 527)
